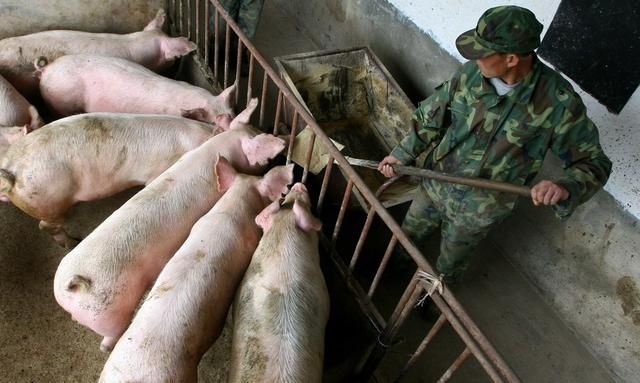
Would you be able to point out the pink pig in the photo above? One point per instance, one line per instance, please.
(151, 48)
(94, 83)
(92, 156)
(15, 110)
(185, 311)
(101, 281)
(282, 305)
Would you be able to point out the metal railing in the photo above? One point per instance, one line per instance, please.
(191, 18)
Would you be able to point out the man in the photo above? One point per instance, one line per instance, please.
(246, 13)
(496, 118)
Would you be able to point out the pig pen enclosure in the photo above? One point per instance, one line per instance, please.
(374, 332)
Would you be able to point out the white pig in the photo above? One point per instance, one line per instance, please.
(96, 83)
(282, 305)
(15, 110)
(150, 47)
(91, 156)
(185, 311)
(101, 281)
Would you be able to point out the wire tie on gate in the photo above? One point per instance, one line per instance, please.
(434, 282)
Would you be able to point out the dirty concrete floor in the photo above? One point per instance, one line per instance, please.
(40, 343)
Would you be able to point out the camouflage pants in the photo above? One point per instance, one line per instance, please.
(464, 215)
(246, 13)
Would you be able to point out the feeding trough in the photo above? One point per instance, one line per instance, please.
(358, 104)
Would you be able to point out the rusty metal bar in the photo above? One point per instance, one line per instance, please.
(467, 339)
(197, 39)
(189, 19)
(363, 236)
(250, 79)
(343, 209)
(292, 136)
(227, 49)
(206, 33)
(325, 184)
(265, 84)
(456, 364)
(276, 121)
(305, 172)
(383, 266)
(423, 345)
(216, 44)
(238, 70)
(181, 18)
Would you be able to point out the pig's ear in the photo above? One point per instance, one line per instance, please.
(225, 173)
(304, 219)
(265, 218)
(261, 148)
(177, 47)
(245, 116)
(275, 182)
(157, 22)
(198, 114)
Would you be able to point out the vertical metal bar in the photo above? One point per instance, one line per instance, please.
(216, 45)
(325, 183)
(207, 30)
(343, 209)
(227, 48)
(292, 136)
(238, 66)
(383, 265)
(305, 172)
(447, 374)
(263, 99)
(189, 19)
(423, 345)
(278, 111)
(250, 79)
(198, 25)
(181, 18)
(363, 237)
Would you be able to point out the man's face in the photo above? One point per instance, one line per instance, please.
(494, 65)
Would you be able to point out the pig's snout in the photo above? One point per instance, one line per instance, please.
(77, 283)
(299, 187)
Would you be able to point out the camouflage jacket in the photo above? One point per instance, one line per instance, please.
(478, 133)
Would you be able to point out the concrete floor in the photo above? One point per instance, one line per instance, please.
(39, 342)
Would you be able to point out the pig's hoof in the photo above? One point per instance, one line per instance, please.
(105, 348)
(68, 243)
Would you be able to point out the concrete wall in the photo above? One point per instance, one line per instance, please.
(587, 268)
(21, 17)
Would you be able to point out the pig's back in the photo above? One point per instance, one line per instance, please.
(99, 148)
(99, 83)
(283, 292)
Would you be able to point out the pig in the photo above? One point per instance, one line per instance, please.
(91, 156)
(15, 110)
(102, 280)
(151, 48)
(96, 83)
(185, 311)
(282, 305)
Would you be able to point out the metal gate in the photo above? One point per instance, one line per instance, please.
(191, 18)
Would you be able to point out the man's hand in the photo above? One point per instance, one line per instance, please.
(548, 193)
(385, 168)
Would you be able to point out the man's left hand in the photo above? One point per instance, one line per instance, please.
(546, 192)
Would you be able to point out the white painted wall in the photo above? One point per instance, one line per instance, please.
(620, 134)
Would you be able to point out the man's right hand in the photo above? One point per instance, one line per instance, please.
(385, 165)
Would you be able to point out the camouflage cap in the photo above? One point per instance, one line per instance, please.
(504, 29)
